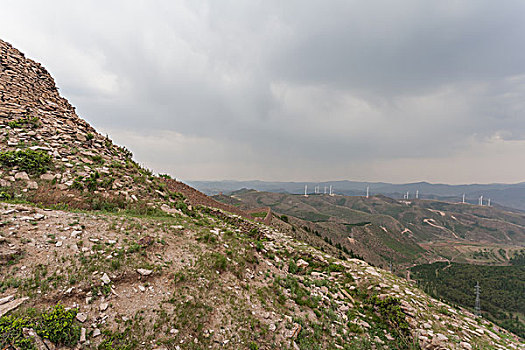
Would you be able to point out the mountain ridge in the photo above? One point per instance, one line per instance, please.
(511, 195)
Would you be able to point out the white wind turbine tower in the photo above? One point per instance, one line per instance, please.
(481, 200)
(417, 194)
(463, 199)
(331, 193)
(488, 203)
(306, 190)
(367, 191)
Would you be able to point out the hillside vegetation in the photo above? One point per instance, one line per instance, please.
(502, 289)
(385, 230)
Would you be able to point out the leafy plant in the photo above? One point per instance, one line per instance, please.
(390, 309)
(11, 330)
(58, 326)
(292, 267)
(36, 162)
(27, 121)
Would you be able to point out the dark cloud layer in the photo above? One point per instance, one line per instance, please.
(375, 90)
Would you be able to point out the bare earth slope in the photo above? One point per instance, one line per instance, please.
(97, 253)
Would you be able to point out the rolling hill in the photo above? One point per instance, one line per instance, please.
(509, 195)
(383, 229)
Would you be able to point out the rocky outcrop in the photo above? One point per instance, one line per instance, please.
(85, 167)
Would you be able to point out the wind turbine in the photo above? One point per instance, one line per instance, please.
(306, 190)
(367, 191)
(463, 199)
(417, 194)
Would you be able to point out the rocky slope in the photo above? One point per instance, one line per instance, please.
(50, 155)
(159, 268)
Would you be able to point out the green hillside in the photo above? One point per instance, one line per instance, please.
(385, 230)
(502, 296)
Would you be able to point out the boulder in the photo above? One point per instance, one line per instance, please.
(144, 272)
(22, 176)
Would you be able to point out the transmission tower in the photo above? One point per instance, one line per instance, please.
(477, 307)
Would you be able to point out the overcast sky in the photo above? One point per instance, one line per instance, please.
(309, 90)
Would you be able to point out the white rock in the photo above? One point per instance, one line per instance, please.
(81, 317)
(38, 216)
(465, 345)
(75, 233)
(47, 176)
(105, 279)
(301, 263)
(144, 272)
(22, 176)
(6, 299)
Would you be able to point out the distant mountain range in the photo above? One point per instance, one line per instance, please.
(508, 195)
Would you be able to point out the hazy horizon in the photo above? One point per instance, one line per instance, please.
(352, 180)
(393, 92)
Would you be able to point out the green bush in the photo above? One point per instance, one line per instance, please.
(12, 335)
(35, 162)
(27, 121)
(390, 310)
(219, 261)
(58, 326)
(5, 195)
(292, 267)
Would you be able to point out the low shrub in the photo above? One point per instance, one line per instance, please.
(12, 335)
(35, 162)
(58, 325)
(27, 121)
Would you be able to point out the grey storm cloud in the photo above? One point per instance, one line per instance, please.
(377, 90)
